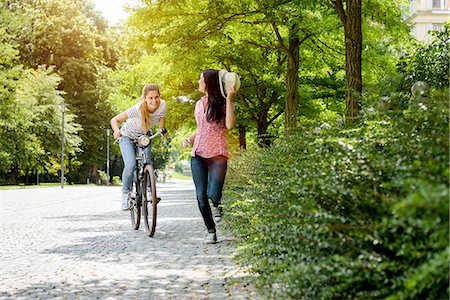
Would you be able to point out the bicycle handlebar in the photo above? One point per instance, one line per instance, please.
(145, 139)
(161, 132)
(155, 135)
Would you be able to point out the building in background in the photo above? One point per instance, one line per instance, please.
(426, 15)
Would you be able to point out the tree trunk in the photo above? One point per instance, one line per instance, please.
(93, 174)
(258, 114)
(292, 97)
(242, 142)
(351, 21)
(263, 139)
(114, 166)
(353, 50)
(13, 176)
(262, 125)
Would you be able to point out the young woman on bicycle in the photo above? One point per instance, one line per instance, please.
(149, 111)
(214, 115)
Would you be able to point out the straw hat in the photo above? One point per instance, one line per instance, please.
(228, 80)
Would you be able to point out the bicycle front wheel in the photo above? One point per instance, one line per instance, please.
(150, 200)
(135, 204)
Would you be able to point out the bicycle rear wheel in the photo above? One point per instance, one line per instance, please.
(149, 200)
(135, 204)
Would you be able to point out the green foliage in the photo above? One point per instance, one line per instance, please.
(31, 137)
(73, 39)
(251, 38)
(10, 72)
(348, 213)
(385, 38)
(58, 33)
(103, 177)
(177, 152)
(424, 253)
(116, 180)
(429, 62)
(103, 70)
(160, 152)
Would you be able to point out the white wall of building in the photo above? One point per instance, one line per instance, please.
(426, 15)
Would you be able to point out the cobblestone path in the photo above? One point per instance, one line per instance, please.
(75, 243)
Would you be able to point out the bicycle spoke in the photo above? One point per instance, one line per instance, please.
(149, 209)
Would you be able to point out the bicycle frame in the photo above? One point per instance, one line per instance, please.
(141, 159)
(144, 180)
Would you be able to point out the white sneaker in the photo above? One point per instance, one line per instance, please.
(217, 213)
(125, 205)
(211, 238)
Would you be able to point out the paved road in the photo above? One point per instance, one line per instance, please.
(75, 243)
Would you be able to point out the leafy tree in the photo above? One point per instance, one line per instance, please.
(74, 39)
(33, 132)
(253, 39)
(10, 72)
(429, 62)
(351, 21)
(223, 36)
(380, 14)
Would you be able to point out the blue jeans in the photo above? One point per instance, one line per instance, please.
(209, 176)
(128, 149)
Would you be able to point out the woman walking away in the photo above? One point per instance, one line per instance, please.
(148, 112)
(214, 115)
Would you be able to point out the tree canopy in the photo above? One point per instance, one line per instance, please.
(291, 57)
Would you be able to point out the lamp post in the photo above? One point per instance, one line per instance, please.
(62, 105)
(107, 155)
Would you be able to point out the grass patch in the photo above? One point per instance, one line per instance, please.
(180, 176)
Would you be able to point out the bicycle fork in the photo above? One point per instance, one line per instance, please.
(138, 176)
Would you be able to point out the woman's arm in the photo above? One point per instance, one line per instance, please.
(162, 126)
(189, 140)
(122, 117)
(162, 122)
(230, 118)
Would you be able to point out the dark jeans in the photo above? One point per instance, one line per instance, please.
(208, 175)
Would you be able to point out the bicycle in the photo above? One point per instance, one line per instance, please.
(144, 179)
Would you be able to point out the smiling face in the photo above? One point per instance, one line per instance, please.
(152, 99)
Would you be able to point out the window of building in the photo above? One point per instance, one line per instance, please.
(436, 4)
(438, 27)
(440, 4)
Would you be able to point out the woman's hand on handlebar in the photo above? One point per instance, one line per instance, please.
(164, 132)
(116, 134)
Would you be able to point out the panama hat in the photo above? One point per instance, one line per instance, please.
(228, 80)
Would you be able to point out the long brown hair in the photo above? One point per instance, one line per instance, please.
(144, 109)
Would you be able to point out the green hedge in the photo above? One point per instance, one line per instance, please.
(336, 213)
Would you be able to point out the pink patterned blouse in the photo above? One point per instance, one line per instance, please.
(210, 139)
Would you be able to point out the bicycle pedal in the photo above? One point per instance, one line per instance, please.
(157, 200)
